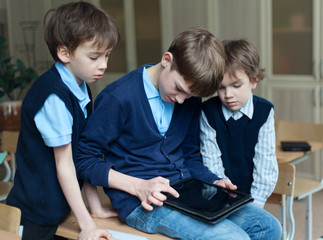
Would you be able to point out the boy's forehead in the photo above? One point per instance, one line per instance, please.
(236, 76)
(99, 43)
(186, 87)
(235, 72)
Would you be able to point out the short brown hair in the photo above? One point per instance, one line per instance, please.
(199, 57)
(74, 23)
(242, 55)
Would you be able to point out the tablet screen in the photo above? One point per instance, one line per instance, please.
(204, 200)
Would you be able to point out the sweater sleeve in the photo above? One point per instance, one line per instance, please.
(104, 126)
(191, 149)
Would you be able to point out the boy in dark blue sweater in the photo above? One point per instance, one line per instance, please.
(146, 125)
(80, 37)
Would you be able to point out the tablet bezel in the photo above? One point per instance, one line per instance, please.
(213, 217)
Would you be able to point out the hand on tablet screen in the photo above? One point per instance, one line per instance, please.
(226, 183)
(150, 192)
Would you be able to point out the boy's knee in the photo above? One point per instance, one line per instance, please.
(276, 229)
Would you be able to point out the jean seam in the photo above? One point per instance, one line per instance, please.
(187, 236)
(164, 224)
(253, 220)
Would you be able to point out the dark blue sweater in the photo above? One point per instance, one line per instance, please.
(36, 188)
(122, 128)
(237, 139)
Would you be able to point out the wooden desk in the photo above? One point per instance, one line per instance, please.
(70, 229)
(296, 157)
(303, 187)
(9, 236)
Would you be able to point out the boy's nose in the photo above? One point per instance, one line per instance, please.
(103, 64)
(228, 93)
(180, 98)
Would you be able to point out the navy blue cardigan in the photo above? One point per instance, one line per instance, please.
(36, 189)
(237, 139)
(122, 128)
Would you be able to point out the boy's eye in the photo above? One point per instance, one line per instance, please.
(237, 85)
(179, 90)
(93, 58)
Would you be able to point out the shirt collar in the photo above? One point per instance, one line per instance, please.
(246, 109)
(150, 89)
(80, 91)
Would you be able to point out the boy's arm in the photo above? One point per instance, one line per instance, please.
(53, 120)
(67, 178)
(210, 151)
(265, 173)
(150, 192)
(97, 210)
(104, 126)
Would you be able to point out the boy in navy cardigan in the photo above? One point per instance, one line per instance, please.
(80, 38)
(146, 125)
(237, 128)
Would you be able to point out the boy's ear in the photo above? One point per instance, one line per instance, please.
(254, 84)
(63, 54)
(167, 58)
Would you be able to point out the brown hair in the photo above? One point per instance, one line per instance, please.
(242, 55)
(200, 58)
(74, 23)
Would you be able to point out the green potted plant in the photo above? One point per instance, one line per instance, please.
(14, 78)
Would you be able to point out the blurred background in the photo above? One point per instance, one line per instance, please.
(288, 35)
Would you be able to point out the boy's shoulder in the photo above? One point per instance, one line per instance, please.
(48, 79)
(213, 101)
(127, 89)
(48, 83)
(126, 85)
(262, 101)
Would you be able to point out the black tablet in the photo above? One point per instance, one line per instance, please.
(205, 201)
(295, 146)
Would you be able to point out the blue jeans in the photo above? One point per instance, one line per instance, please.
(250, 222)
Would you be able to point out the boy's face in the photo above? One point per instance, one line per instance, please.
(234, 92)
(87, 63)
(172, 86)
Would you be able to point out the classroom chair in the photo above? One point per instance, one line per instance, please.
(304, 187)
(283, 195)
(5, 185)
(9, 218)
(9, 141)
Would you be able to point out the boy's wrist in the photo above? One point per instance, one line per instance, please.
(86, 223)
(134, 186)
